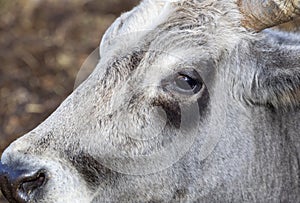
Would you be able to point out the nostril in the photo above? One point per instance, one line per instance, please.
(30, 183)
(21, 185)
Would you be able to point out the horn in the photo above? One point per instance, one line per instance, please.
(261, 14)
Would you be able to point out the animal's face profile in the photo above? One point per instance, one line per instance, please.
(181, 107)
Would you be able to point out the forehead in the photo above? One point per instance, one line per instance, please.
(137, 23)
(172, 32)
(195, 28)
(172, 25)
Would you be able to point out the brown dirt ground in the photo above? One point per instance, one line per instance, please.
(42, 46)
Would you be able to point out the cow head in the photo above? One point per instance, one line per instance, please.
(180, 107)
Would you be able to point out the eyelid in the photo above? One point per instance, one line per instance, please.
(192, 74)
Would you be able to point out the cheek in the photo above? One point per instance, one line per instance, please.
(203, 103)
(175, 113)
(92, 171)
(170, 110)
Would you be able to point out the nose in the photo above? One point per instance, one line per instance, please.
(19, 186)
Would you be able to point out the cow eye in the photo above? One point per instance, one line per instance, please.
(185, 82)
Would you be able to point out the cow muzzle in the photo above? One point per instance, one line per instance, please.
(20, 186)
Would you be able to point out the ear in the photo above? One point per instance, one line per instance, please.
(275, 71)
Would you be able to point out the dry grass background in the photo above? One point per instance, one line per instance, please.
(43, 43)
(42, 46)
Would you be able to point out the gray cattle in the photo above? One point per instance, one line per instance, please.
(191, 101)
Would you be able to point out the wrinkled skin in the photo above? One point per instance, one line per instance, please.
(129, 134)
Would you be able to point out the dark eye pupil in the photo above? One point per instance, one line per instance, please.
(186, 83)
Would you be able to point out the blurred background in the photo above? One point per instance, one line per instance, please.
(43, 44)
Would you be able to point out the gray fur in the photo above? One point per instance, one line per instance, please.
(245, 133)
